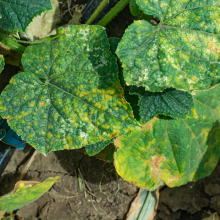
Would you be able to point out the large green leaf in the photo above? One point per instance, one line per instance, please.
(17, 14)
(69, 95)
(25, 193)
(182, 52)
(173, 151)
(170, 102)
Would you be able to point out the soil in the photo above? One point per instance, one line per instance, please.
(66, 200)
(193, 201)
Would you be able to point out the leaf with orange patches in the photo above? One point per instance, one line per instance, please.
(25, 192)
(173, 151)
(69, 95)
(182, 51)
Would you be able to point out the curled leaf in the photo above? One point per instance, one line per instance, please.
(16, 15)
(25, 192)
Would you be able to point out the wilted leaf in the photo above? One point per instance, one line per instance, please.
(25, 192)
(214, 216)
(182, 52)
(45, 24)
(170, 102)
(144, 207)
(173, 151)
(16, 15)
(69, 95)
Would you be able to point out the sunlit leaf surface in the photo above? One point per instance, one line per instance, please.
(182, 51)
(69, 95)
(25, 192)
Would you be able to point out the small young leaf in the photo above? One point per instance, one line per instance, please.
(182, 52)
(2, 63)
(93, 149)
(16, 15)
(134, 8)
(69, 95)
(25, 192)
(170, 102)
(173, 151)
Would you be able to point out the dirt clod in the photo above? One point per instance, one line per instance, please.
(215, 203)
(212, 189)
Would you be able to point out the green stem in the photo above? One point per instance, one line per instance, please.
(113, 12)
(12, 44)
(97, 11)
(8, 217)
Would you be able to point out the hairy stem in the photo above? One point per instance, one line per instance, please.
(113, 12)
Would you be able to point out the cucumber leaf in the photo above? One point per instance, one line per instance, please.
(93, 149)
(107, 154)
(69, 95)
(113, 41)
(134, 8)
(182, 51)
(2, 63)
(174, 151)
(25, 192)
(131, 99)
(16, 15)
(170, 102)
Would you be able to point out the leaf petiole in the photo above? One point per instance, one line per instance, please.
(12, 43)
(113, 12)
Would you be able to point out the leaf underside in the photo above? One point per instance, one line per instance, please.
(25, 193)
(93, 149)
(182, 52)
(69, 95)
(16, 15)
(107, 154)
(173, 151)
(170, 102)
